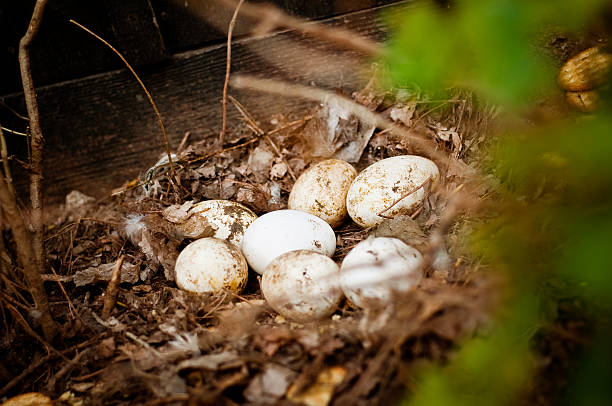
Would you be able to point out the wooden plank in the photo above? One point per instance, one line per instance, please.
(183, 27)
(60, 51)
(101, 131)
(136, 31)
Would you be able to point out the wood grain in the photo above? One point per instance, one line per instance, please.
(100, 131)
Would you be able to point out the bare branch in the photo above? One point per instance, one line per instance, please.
(5, 163)
(25, 254)
(157, 113)
(37, 141)
(230, 31)
(272, 18)
(320, 95)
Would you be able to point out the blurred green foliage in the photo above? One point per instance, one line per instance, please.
(552, 237)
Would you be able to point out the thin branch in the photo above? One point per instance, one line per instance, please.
(261, 133)
(157, 114)
(5, 164)
(33, 366)
(405, 195)
(37, 141)
(13, 111)
(230, 31)
(30, 251)
(272, 18)
(321, 96)
(71, 307)
(8, 130)
(25, 255)
(28, 329)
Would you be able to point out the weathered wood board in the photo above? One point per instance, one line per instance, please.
(144, 31)
(101, 131)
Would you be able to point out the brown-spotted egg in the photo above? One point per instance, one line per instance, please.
(376, 193)
(210, 265)
(302, 285)
(321, 190)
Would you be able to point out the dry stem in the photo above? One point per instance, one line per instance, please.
(230, 31)
(157, 114)
(261, 133)
(320, 95)
(112, 290)
(33, 366)
(271, 18)
(37, 141)
(5, 163)
(26, 256)
(405, 195)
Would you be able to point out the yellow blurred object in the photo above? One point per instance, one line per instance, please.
(584, 101)
(319, 393)
(585, 71)
(29, 399)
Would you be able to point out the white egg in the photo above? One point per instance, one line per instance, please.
(377, 267)
(376, 191)
(221, 219)
(211, 265)
(321, 190)
(302, 285)
(282, 231)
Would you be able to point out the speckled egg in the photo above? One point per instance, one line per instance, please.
(221, 219)
(282, 231)
(377, 191)
(302, 285)
(210, 265)
(377, 267)
(321, 190)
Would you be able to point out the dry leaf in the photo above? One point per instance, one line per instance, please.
(320, 393)
(270, 385)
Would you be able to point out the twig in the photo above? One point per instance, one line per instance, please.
(13, 111)
(261, 133)
(183, 143)
(251, 141)
(64, 370)
(247, 117)
(8, 130)
(37, 141)
(28, 329)
(59, 282)
(25, 255)
(157, 114)
(280, 154)
(112, 290)
(40, 362)
(411, 191)
(272, 18)
(230, 31)
(320, 95)
(56, 278)
(88, 376)
(141, 342)
(5, 163)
